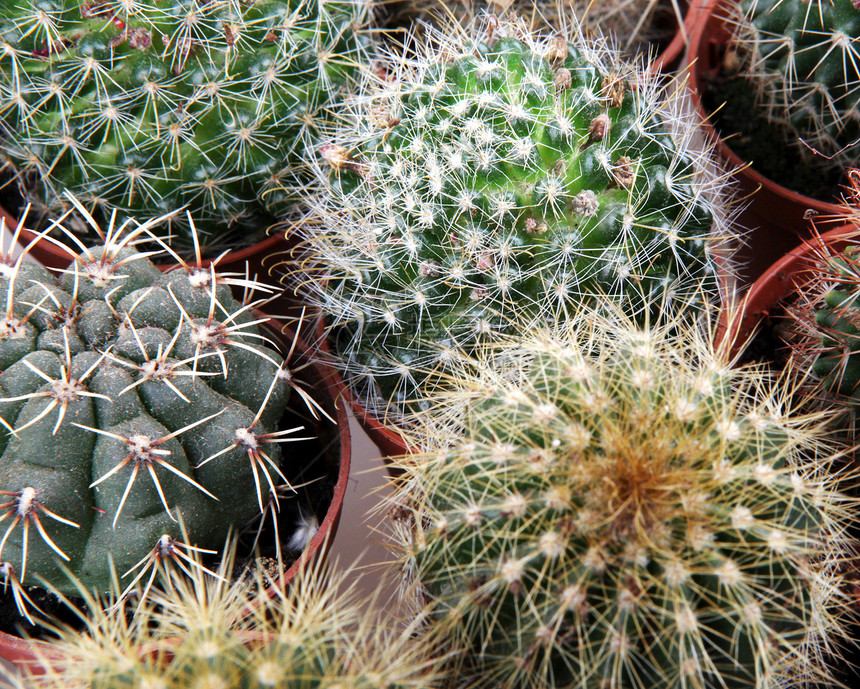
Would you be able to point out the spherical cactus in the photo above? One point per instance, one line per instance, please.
(613, 506)
(495, 177)
(207, 633)
(148, 107)
(132, 400)
(804, 57)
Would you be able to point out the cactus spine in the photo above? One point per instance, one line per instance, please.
(804, 57)
(213, 633)
(150, 107)
(132, 400)
(497, 175)
(614, 506)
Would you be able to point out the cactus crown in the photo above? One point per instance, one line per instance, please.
(149, 107)
(804, 56)
(616, 506)
(501, 174)
(131, 399)
(220, 632)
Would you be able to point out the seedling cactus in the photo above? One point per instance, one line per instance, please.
(150, 107)
(132, 400)
(804, 57)
(615, 506)
(498, 175)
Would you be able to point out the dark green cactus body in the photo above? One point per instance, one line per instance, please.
(498, 182)
(148, 107)
(120, 381)
(806, 62)
(610, 512)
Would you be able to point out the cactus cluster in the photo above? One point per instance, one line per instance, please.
(804, 58)
(132, 400)
(497, 175)
(612, 506)
(146, 107)
(219, 632)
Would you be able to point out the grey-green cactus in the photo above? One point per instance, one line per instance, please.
(498, 175)
(804, 57)
(132, 400)
(146, 107)
(614, 506)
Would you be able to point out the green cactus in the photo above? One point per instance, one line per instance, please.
(206, 633)
(149, 107)
(613, 506)
(133, 399)
(494, 177)
(804, 57)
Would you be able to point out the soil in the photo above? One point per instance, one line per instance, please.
(768, 147)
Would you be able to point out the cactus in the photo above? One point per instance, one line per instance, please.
(149, 107)
(606, 505)
(132, 399)
(824, 329)
(204, 632)
(638, 25)
(804, 58)
(492, 177)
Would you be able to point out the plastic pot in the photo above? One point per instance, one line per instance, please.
(738, 323)
(331, 444)
(777, 217)
(669, 60)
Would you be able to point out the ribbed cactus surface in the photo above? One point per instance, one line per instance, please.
(132, 400)
(146, 107)
(804, 56)
(496, 176)
(612, 506)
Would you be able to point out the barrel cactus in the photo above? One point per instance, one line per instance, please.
(612, 506)
(498, 175)
(148, 107)
(133, 401)
(804, 58)
(224, 632)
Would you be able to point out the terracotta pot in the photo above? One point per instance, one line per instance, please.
(738, 323)
(776, 217)
(254, 258)
(669, 60)
(332, 444)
